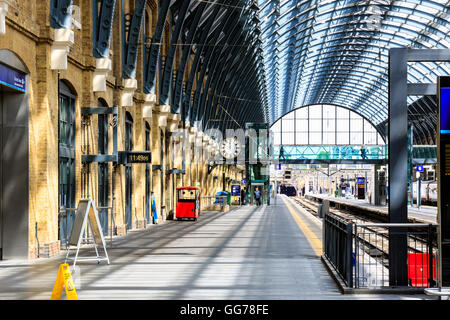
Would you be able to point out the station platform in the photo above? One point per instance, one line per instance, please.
(426, 214)
(250, 252)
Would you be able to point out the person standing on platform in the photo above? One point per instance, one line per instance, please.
(242, 197)
(257, 196)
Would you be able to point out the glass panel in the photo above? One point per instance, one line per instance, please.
(380, 139)
(354, 115)
(302, 113)
(315, 112)
(356, 138)
(368, 127)
(329, 125)
(356, 125)
(301, 138)
(342, 138)
(288, 125)
(288, 138)
(342, 125)
(329, 138)
(301, 125)
(329, 112)
(277, 138)
(315, 124)
(370, 138)
(290, 115)
(276, 127)
(315, 138)
(342, 113)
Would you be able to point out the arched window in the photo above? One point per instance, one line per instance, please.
(128, 132)
(67, 126)
(324, 124)
(128, 170)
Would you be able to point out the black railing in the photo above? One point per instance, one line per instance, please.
(338, 236)
(371, 246)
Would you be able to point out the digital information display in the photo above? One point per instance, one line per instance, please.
(127, 157)
(445, 108)
(443, 165)
(361, 180)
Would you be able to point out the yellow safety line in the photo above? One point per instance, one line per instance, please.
(313, 240)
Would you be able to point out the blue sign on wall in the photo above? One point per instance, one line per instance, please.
(361, 180)
(235, 190)
(12, 78)
(419, 168)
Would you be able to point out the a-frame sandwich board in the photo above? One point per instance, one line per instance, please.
(87, 215)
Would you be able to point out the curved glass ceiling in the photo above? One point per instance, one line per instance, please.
(336, 52)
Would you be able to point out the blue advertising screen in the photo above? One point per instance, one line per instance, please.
(361, 180)
(445, 110)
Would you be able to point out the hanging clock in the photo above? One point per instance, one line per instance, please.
(230, 148)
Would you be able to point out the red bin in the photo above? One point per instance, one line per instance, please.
(188, 203)
(418, 269)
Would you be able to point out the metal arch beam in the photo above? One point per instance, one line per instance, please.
(227, 22)
(155, 47)
(243, 75)
(230, 54)
(186, 99)
(166, 82)
(102, 27)
(60, 14)
(215, 70)
(176, 106)
(130, 44)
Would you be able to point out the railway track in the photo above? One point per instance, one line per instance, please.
(374, 241)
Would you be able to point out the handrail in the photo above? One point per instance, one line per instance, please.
(396, 225)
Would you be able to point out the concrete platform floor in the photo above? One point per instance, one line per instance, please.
(248, 253)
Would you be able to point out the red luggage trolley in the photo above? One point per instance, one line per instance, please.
(188, 205)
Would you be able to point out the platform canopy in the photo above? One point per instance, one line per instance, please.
(336, 52)
(256, 60)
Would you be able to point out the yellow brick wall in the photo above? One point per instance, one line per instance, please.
(28, 34)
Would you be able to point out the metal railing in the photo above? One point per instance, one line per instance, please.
(338, 236)
(371, 254)
(359, 252)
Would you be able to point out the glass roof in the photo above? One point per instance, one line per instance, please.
(336, 52)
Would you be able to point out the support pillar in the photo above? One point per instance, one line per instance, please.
(398, 166)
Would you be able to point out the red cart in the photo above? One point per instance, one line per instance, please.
(188, 205)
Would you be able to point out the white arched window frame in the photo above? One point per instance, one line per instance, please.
(324, 124)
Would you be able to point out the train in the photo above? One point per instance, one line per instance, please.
(428, 192)
(288, 190)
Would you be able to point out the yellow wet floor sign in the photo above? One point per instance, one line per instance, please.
(64, 278)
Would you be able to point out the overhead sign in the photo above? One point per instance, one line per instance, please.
(64, 279)
(128, 157)
(243, 182)
(419, 168)
(12, 78)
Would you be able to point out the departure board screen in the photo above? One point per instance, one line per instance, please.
(445, 110)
